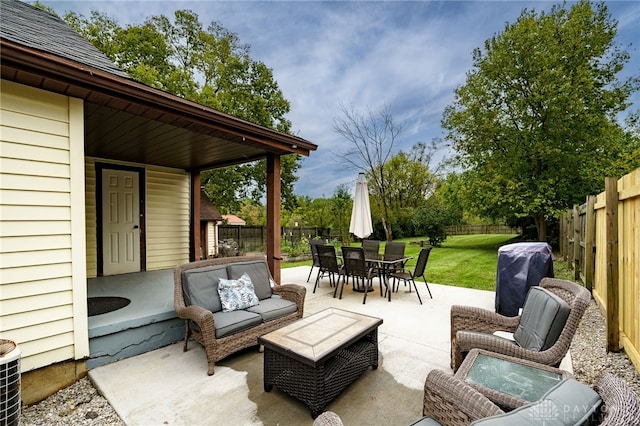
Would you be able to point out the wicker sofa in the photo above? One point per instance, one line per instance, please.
(197, 301)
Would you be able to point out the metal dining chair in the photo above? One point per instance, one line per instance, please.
(314, 256)
(371, 251)
(328, 266)
(355, 266)
(371, 247)
(394, 250)
(409, 277)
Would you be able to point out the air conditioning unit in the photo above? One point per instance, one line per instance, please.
(9, 383)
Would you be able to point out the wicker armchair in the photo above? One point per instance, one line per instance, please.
(472, 327)
(452, 402)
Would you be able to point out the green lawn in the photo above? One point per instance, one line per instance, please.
(464, 261)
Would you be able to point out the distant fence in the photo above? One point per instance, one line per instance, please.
(481, 229)
(254, 238)
(600, 240)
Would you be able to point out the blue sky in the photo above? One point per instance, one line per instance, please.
(409, 56)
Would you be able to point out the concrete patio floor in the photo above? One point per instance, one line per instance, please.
(170, 387)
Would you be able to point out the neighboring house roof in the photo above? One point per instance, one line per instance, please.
(233, 219)
(126, 120)
(208, 211)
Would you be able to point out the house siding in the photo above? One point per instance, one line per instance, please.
(42, 294)
(168, 207)
(166, 212)
(212, 239)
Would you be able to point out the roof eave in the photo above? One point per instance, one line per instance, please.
(90, 80)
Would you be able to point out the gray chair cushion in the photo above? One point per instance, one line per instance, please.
(273, 308)
(543, 317)
(228, 323)
(200, 287)
(568, 403)
(258, 271)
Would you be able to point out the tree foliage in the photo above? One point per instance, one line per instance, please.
(340, 206)
(209, 66)
(534, 126)
(408, 183)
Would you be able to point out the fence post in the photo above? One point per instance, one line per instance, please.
(613, 328)
(589, 242)
(563, 235)
(576, 242)
(570, 239)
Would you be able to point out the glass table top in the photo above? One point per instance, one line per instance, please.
(518, 380)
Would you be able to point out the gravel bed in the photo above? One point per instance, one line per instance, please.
(589, 354)
(81, 404)
(78, 404)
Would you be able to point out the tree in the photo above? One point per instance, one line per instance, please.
(209, 66)
(534, 126)
(371, 139)
(340, 206)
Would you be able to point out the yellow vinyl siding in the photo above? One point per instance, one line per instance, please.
(18, 290)
(212, 239)
(167, 217)
(25, 319)
(36, 232)
(91, 218)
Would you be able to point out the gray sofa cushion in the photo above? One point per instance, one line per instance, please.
(258, 271)
(273, 308)
(543, 317)
(228, 323)
(200, 286)
(568, 403)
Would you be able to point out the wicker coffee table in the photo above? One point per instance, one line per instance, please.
(317, 357)
(509, 382)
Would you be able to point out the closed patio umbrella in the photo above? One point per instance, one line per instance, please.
(361, 225)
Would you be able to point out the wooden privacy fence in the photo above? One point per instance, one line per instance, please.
(481, 229)
(601, 241)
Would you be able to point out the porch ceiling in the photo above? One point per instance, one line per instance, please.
(129, 121)
(120, 135)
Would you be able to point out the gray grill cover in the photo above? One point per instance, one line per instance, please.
(520, 266)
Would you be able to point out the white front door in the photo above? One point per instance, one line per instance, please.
(120, 221)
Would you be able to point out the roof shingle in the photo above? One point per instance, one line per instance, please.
(35, 28)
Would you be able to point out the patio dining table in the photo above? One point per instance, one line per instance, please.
(384, 264)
